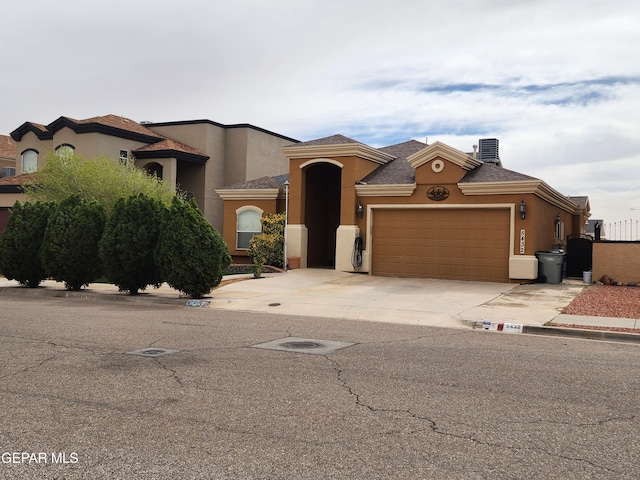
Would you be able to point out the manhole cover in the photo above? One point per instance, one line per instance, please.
(294, 345)
(303, 345)
(152, 352)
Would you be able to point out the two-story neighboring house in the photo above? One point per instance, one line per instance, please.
(7, 155)
(197, 156)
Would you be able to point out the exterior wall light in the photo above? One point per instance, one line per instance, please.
(523, 209)
(360, 210)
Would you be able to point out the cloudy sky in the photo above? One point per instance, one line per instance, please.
(556, 81)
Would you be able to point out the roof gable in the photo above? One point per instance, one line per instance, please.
(441, 150)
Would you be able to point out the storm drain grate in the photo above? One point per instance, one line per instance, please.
(303, 345)
(152, 352)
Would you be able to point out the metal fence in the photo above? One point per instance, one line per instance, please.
(623, 230)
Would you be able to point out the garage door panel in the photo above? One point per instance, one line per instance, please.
(469, 244)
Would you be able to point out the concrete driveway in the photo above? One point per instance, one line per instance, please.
(412, 301)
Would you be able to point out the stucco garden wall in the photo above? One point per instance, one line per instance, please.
(618, 260)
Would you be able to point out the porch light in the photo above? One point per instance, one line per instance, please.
(360, 210)
(523, 209)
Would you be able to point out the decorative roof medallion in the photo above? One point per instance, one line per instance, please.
(438, 193)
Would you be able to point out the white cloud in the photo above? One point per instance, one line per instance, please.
(557, 82)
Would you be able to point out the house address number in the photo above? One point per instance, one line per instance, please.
(522, 242)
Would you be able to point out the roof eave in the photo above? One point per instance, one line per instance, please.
(388, 190)
(248, 193)
(536, 187)
(342, 150)
(178, 155)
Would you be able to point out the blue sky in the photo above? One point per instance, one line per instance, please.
(557, 82)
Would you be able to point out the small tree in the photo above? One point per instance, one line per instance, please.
(128, 244)
(268, 247)
(69, 251)
(21, 241)
(191, 254)
(102, 180)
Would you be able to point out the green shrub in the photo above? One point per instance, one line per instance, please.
(267, 248)
(191, 254)
(21, 241)
(128, 244)
(69, 251)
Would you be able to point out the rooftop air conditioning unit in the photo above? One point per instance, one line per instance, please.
(489, 151)
(8, 172)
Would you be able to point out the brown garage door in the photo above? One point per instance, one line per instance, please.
(455, 244)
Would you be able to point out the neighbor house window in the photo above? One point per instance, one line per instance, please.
(29, 161)
(124, 157)
(248, 225)
(65, 150)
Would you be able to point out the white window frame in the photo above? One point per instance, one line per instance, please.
(239, 212)
(32, 165)
(123, 156)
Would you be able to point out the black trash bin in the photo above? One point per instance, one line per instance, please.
(550, 265)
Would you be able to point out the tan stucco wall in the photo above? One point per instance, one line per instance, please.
(618, 260)
(9, 199)
(230, 219)
(88, 145)
(236, 155)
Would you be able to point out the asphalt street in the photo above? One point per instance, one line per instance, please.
(402, 401)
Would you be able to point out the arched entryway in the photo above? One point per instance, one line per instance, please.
(322, 185)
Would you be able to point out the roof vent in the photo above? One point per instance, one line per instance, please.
(489, 151)
(8, 172)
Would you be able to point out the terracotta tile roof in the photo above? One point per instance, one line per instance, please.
(168, 144)
(489, 172)
(16, 179)
(398, 171)
(119, 122)
(7, 147)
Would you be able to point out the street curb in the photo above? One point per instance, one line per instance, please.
(586, 334)
(148, 297)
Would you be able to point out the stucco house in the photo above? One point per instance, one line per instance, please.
(7, 154)
(410, 209)
(198, 156)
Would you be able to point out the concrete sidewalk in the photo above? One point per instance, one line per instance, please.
(411, 301)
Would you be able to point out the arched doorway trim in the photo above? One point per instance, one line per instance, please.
(321, 160)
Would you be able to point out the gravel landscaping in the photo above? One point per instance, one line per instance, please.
(606, 301)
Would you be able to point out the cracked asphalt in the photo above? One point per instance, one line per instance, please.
(403, 402)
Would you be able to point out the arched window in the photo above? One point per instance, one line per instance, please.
(65, 150)
(29, 160)
(248, 225)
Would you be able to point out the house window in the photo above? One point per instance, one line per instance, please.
(29, 161)
(248, 225)
(123, 157)
(65, 150)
